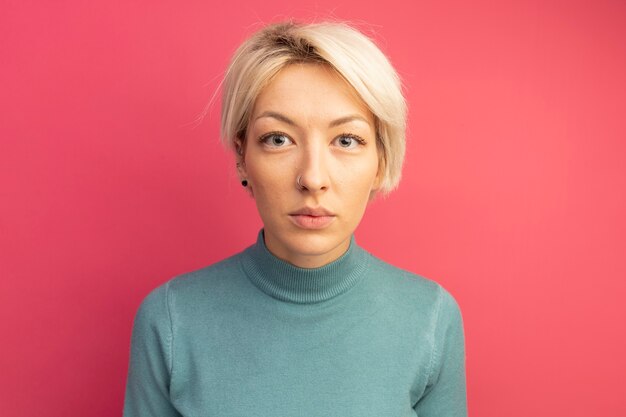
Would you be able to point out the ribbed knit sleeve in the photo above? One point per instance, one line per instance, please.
(147, 386)
(445, 395)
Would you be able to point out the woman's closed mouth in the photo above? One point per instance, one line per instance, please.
(312, 217)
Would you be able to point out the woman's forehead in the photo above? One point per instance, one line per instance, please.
(310, 92)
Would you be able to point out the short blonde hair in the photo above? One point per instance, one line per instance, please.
(349, 52)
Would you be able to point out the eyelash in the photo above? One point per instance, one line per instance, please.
(266, 136)
(358, 139)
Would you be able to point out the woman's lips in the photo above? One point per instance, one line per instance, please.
(311, 222)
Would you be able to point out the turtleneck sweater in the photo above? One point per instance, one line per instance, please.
(255, 335)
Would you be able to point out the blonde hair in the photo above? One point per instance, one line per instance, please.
(350, 53)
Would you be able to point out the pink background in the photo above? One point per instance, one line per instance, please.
(513, 196)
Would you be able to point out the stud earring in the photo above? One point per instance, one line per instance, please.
(244, 183)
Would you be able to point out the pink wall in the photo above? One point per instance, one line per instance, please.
(513, 196)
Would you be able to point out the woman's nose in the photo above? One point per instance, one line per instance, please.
(313, 174)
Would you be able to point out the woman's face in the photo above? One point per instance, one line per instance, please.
(309, 123)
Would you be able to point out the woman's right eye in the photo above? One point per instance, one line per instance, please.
(276, 140)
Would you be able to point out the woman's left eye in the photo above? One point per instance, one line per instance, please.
(349, 141)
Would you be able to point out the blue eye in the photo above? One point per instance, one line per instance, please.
(276, 140)
(349, 141)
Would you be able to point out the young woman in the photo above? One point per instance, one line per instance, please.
(304, 322)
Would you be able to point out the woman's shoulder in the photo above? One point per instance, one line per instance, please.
(409, 286)
(212, 279)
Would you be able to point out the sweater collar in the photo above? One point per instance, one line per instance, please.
(291, 283)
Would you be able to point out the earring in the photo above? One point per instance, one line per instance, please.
(244, 183)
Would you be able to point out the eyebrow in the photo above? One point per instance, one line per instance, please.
(287, 120)
(277, 116)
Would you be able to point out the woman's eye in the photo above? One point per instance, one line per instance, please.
(276, 140)
(348, 141)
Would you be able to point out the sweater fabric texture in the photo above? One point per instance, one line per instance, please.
(253, 335)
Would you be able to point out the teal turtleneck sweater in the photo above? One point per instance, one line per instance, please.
(253, 335)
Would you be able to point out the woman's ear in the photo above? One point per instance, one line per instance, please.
(240, 157)
(378, 180)
(242, 171)
(380, 174)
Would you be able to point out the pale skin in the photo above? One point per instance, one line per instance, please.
(309, 122)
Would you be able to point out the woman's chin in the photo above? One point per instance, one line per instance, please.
(308, 247)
